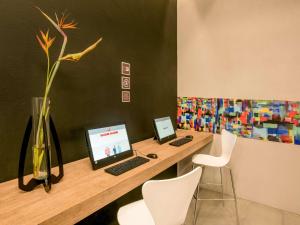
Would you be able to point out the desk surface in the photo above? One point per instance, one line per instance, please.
(82, 191)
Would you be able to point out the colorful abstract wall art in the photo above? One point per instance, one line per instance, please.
(260, 119)
(197, 113)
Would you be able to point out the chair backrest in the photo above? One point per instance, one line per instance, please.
(169, 200)
(228, 143)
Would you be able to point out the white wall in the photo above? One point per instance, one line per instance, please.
(246, 49)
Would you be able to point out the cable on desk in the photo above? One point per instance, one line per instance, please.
(139, 153)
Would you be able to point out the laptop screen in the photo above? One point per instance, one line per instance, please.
(108, 141)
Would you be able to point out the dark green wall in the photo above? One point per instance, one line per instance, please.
(88, 92)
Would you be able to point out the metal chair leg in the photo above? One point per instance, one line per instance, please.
(198, 186)
(193, 167)
(195, 207)
(221, 176)
(197, 193)
(235, 201)
(202, 175)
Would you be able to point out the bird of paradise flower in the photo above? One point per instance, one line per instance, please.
(45, 41)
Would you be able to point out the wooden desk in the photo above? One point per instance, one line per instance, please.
(82, 191)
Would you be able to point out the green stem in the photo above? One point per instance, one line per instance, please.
(51, 76)
(48, 68)
(51, 71)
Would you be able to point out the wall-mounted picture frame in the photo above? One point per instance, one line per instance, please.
(125, 96)
(125, 82)
(125, 68)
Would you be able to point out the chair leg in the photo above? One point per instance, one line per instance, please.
(202, 175)
(198, 187)
(197, 193)
(221, 176)
(193, 167)
(235, 200)
(195, 207)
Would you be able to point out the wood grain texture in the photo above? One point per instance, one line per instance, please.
(83, 191)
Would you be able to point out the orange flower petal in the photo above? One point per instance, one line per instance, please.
(41, 44)
(44, 36)
(71, 25)
(47, 41)
(50, 42)
(62, 24)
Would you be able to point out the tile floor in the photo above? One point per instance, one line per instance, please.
(251, 213)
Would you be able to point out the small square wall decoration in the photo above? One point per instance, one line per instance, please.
(125, 82)
(125, 68)
(125, 96)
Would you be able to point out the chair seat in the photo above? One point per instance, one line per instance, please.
(209, 160)
(135, 213)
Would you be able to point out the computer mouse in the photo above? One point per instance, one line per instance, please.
(152, 156)
(189, 137)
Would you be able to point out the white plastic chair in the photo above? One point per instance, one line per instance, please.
(228, 141)
(165, 202)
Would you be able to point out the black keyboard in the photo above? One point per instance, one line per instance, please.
(180, 141)
(126, 166)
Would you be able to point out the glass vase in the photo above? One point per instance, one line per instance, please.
(40, 109)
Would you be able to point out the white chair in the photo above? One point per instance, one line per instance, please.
(165, 202)
(228, 141)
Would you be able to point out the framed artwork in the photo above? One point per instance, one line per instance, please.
(125, 96)
(125, 82)
(268, 120)
(125, 68)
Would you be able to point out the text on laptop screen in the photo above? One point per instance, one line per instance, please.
(164, 127)
(108, 141)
